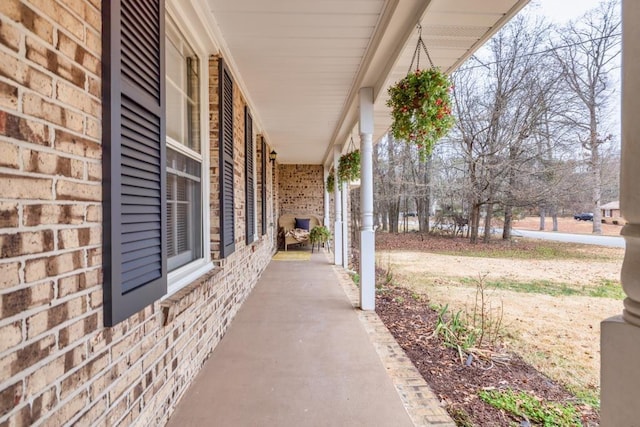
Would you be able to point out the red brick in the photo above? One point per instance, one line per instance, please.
(94, 412)
(25, 187)
(9, 35)
(93, 129)
(16, 69)
(10, 335)
(9, 274)
(37, 106)
(10, 397)
(25, 243)
(53, 214)
(78, 330)
(54, 316)
(94, 171)
(62, 16)
(43, 404)
(9, 215)
(23, 299)
(77, 145)
(18, 361)
(64, 263)
(31, 20)
(23, 129)
(9, 155)
(94, 213)
(79, 99)
(47, 163)
(35, 269)
(77, 53)
(68, 190)
(8, 95)
(54, 62)
(90, 370)
(94, 41)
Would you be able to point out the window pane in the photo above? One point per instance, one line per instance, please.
(184, 210)
(175, 110)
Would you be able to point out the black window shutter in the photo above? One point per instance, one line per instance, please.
(227, 221)
(263, 186)
(134, 157)
(249, 176)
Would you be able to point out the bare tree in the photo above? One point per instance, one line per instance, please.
(501, 103)
(588, 51)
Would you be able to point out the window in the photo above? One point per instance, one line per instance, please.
(184, 156)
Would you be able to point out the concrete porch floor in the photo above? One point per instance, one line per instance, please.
(299, 353)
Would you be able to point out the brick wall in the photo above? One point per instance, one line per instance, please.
(301, 189)
(58, 364)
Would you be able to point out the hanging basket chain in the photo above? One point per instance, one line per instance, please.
(352, 146)
(416, 53)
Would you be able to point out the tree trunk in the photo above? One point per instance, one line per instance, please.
(487, 223)
(508, 217)
(554, 217)
(597, 188)
(543, 213)
(474, 222)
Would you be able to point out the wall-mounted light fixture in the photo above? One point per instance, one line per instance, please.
(272, 156)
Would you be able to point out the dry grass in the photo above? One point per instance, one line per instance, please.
(559, 335)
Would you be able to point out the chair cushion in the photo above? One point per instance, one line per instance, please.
(303, 223)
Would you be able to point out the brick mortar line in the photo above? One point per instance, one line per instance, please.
(26, 33)
(49, 149)
(53, 126)
(55, 331)
(381, 338)
(22, 259)
(24, 314)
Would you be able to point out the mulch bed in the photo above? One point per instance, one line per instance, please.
(412, 323)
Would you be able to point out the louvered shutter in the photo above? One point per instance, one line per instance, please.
(263, 186)
(249, 176)
(227, 221)
(134, 191)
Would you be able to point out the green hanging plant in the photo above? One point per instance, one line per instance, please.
(421, 109)
(319, 234)
(349, 167)
(331, 182)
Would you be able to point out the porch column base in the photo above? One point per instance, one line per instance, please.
(619, 373)
(367, 270)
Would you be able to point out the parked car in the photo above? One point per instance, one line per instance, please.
(585, 216)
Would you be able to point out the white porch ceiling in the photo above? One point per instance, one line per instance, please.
(303, 61)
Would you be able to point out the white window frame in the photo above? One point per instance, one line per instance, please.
(183, 276)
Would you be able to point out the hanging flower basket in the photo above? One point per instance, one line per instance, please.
(331, 182)
(349, 167)
(421, 109)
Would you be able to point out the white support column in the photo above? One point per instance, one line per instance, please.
(345, 225)
(367, 233)
(337, 229)
(620, 335)
(326, 199)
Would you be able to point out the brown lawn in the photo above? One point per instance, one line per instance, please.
(557, 334)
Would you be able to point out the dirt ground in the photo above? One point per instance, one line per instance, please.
(566, 225)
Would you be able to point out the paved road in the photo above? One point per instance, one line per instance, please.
(611, 241)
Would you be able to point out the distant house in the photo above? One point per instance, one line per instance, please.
(611, 212)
